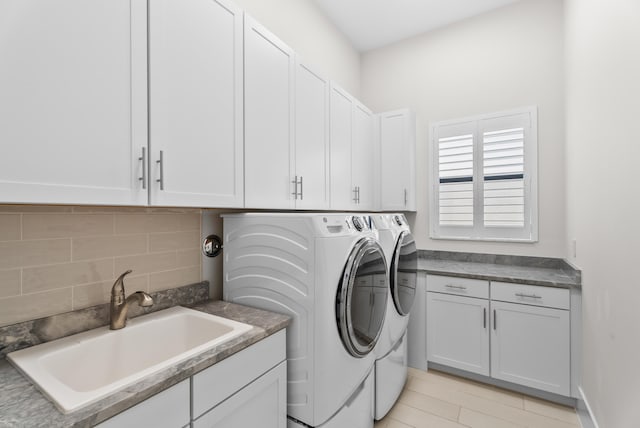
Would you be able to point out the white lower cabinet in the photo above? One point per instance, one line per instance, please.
(512, 332)
(245, 390)
(457, 332)
(262, 403)
(530, 345)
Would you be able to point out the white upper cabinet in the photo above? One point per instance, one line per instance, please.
(269, 70)
(341, 132)
(195, 103)
(73, 101)
(352, 152)
(362, 157)
(397, 176)
(311, 178)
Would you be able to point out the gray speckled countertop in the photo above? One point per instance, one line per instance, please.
(546, 274)
(23, 405)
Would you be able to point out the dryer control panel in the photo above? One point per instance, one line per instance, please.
(359, 222)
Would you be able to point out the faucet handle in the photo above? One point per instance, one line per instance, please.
(121, 277)
(117, 291)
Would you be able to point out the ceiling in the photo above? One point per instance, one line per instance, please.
(371, 24)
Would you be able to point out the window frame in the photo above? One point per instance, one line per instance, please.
(480, 232)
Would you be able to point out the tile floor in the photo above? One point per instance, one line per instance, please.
(437, 400)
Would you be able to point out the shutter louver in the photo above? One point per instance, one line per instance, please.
(503, 171)
(455, 160)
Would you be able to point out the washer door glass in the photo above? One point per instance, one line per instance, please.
(404, 273)
(362, 297)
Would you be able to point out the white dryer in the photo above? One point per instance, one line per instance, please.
(319, 269)
(391, 351)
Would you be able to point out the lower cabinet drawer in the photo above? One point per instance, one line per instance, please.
(169, 408)
(478, 288)
(535, 295)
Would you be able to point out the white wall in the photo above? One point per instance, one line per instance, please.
(304, 27)
(603, 152)
(507, 58)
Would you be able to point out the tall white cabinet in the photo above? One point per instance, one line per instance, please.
(269, 69)
(73, 101)
(195, 103)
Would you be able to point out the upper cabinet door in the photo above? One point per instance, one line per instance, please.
(343, 196)
(397, 161)
(362, 157)
(73, 101)
(312, 139)
(195, 102)
(269, 68)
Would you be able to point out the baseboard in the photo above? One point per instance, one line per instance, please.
(549, 396)
(587, 420)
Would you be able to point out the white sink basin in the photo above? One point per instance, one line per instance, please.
(81, 369)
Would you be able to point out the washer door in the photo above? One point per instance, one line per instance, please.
(360, 307)
(404, 273)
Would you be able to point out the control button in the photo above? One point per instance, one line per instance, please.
(398, 220)
(357, 224)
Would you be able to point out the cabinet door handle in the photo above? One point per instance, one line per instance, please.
(355, 194)
(532, 296)
(495, 320)
(160, 163)
(484, 318)
(301, 189)
(143, 159)
(405, 197)
(456, 287)
(295, 187)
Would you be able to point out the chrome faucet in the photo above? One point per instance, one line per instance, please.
(120, 305)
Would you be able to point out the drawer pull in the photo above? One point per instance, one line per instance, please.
(456, 287)
(532, 296)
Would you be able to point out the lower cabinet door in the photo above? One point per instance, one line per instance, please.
(530, 346)
(458, 332)
(262, 403)
(167, 409)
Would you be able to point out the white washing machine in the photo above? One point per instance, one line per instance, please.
(391, 351)
(319, 269)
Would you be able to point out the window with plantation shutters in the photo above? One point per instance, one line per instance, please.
(485, 177)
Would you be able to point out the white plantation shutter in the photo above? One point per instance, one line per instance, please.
(484, 173)
(456, 180)
(503, 171)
